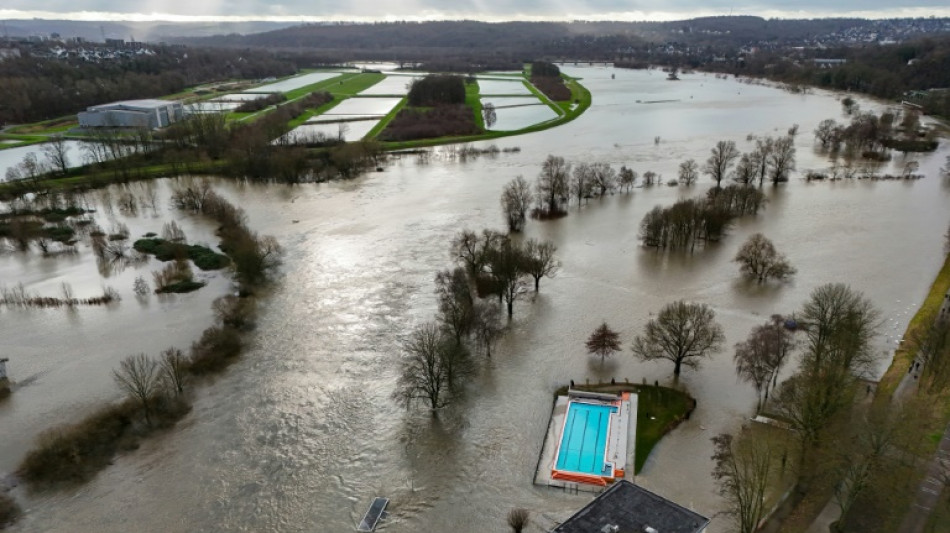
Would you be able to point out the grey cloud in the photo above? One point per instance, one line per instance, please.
(471, 8)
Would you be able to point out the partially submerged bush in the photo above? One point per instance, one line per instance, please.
(215, 349)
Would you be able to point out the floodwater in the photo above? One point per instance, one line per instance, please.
(496, 86)
(352, 130)
(11, 157)
(364, 106)
(300, 434)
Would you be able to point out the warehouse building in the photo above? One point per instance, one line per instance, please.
(149, 114)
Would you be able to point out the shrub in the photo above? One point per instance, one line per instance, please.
(413, 123)
(74, 453)
(215, 349)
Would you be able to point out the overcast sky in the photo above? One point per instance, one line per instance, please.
(490, 10)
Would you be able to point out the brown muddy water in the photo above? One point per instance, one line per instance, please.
(300, 434)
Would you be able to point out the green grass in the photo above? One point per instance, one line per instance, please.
(473, 100)
(320, 85)
(203, 257)
(659, 411)
(923, 318)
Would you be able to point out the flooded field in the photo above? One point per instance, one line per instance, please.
(301, 434)
(351, 130)
(364, 106)
(514, 113)
(296, 82)
(391, 85)
(12, 157)
(496, 86)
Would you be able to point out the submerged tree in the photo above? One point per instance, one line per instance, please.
(432, 364)
(553, 184)
(515, 203)
(603, 342)
(518, 519)
(689, 171)
(683, 333)
(758, 259)
(139, 376)
(722, 156)
(539, 260)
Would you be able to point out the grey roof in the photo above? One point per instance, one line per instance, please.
(149, 103)
(632, 509)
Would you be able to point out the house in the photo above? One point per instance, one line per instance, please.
(149, 114)
(628, 508)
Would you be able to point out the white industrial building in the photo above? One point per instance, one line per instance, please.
(149, 114)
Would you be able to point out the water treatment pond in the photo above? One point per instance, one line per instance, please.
(301, 434)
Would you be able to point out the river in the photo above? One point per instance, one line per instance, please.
(301, 434)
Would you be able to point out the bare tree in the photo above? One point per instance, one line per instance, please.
(722, 156)
(603, 178)
(424, 375)
(746, 169)
(57, 153)
(759, 260)
(761, 356)
(553, 183)
(781, 159)
(174, 367)
(456, 306)
(683, 333)
(518, 519)
(689, 171)
(539, 260)
(516, 202)
(603, 342)
(581, 184)
(761, 156)
(743, 473)
(487, 327)
(507, 269)
(139, 376)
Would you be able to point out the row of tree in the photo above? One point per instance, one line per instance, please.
(689, 222)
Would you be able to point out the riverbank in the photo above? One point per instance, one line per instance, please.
(924, 317)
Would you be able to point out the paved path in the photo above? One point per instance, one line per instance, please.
(928, 494)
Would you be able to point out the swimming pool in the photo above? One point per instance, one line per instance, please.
(584, 439)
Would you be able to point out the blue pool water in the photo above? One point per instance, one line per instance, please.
(585, 438)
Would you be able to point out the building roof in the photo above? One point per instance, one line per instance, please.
(632, 509)
(149, 103)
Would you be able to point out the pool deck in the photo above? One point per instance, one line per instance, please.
(618, 445)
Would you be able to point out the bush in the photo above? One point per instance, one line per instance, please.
(215, 349)
(163, 250)
(9, 510)
(74, 453)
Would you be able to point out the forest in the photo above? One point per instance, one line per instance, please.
(33, 89)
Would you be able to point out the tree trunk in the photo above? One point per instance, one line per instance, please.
(511, 308)
(537, 283)
(676, 369)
